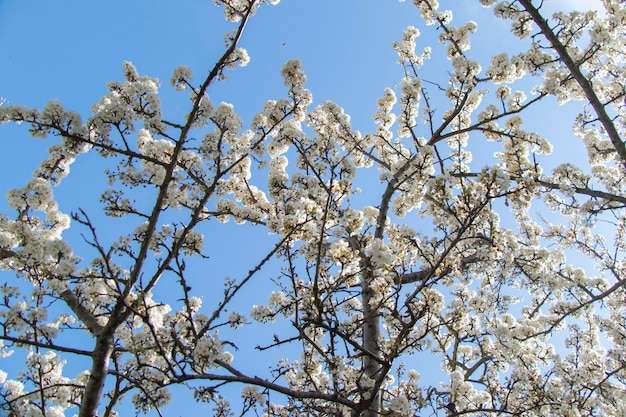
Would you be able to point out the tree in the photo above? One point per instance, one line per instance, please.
(478, 279)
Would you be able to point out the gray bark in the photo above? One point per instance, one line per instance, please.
(372, 356)
(99, 370)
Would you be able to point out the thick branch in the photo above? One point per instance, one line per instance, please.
(588, 191)
(238, 376)
(82, 313)
(43, 345)
(577, 190)
(424, 274)
(72, 301)
(99, 370)
(104, 343)
(583, 82)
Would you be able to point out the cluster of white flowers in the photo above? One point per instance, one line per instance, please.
(279, 303)
(158, 150)
(41, 247)
(235, 10)
(45, 369)
(429, 10)
(207, 350)
(225, 209)
(521, 24)
(380, 254)
(505, 70)
(261, 313)
(236, 320)
(308, 374)
(293, 76)
(53, 117)
(238, 57)
(252, 394)
(227, 121)
(135, 99)
(181, 77)
(406, 48)
(411, 86)
(191, 241)
(458, 38)
(409, 102)
(340, 251)
(278, 177)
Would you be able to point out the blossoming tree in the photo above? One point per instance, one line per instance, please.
(447, 260)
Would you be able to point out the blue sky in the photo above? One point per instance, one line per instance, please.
(69, 49)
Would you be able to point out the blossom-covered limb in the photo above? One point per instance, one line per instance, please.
(585, 84)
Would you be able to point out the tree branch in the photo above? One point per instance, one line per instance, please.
(583, 82)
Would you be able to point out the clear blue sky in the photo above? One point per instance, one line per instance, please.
(69, 49)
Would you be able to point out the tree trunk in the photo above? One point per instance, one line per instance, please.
(371, 337)
(99, 370)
